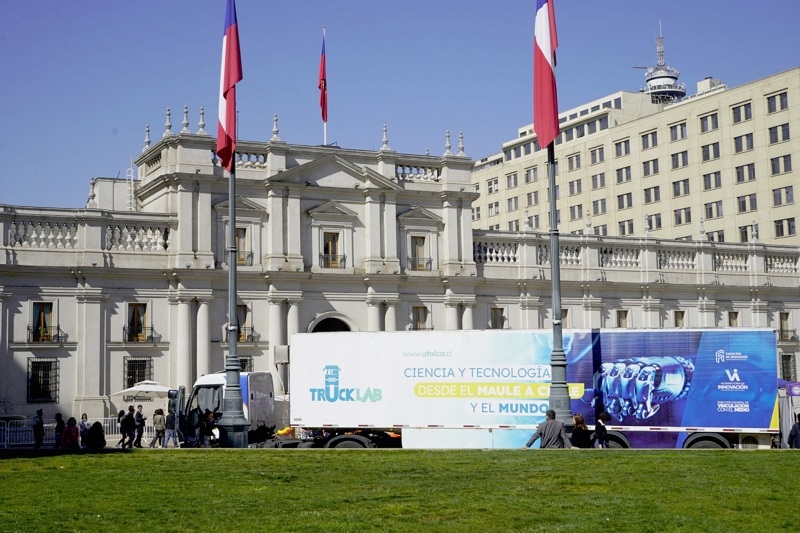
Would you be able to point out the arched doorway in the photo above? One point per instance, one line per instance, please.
(330, 324)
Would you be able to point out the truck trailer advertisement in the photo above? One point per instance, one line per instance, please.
(647, 380)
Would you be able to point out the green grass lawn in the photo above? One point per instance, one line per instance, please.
(403, 490)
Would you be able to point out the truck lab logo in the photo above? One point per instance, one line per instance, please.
(333, 392)
(734, 382)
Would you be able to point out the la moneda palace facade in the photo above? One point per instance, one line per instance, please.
(659, 205)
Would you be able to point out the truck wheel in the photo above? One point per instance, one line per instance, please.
(350, 441)
(705, 445)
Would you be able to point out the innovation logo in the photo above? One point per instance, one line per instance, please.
(734, 382)
(334, 392)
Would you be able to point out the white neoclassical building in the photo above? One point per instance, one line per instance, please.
(133, 286)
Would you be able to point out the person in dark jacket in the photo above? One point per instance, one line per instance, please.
(140, 418)
(129, 428)
(95, 437)
(59, 430)
(794, 435)
(600, 431)
(38, 429)
(552, 433)
(581, 436)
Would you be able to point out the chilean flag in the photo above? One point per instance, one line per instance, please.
(323, 83)
(230, 75)
(545, 98)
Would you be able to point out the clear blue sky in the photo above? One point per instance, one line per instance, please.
(80, 80)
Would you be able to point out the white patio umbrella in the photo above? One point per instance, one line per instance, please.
(145, 389)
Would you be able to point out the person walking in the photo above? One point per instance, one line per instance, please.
(128, 428)
(581, 437)
(794, 435)
(38, 429)
(600, 431)
(140, 418)
(171, 433)
(160, 427)
(59, 430)
(83, 428)
(120, 418)
(552, 433)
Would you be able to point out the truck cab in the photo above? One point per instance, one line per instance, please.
(258, 405)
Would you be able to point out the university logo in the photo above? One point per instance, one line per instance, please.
(719, 356)
(733, 376)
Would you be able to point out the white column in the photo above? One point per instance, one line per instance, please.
(275, 334)
(466, 318)
(292, 319)
(203, 339)
(183, 374)
(451, 316)
(373, 316)
(390, 318)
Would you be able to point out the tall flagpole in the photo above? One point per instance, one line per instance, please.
(233, 424)
(546, 126)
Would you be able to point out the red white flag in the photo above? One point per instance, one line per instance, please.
(230, 75)
(545, 97)
(323, 83)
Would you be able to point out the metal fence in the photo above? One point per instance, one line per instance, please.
(19, 433)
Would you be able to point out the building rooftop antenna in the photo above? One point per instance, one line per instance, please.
(662, 80)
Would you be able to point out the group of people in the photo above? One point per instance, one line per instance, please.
(554, 434)
(131, 427)
(70, 435)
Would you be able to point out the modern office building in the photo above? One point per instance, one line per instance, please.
(715, 165)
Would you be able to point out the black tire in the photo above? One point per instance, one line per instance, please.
(706, 444)
(613, 443)
(348, 443)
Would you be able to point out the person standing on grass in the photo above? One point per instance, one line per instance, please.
(581, 437)
(140, 418)
(83, 427)
(128, 428)
(552, 433)
(169, 423)
(70, 438)
(600, 431)
(794, 435)
(59, 430)
(38, 429)
(160, 427)
(120, 418)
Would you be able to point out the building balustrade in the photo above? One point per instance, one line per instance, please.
(579, 254)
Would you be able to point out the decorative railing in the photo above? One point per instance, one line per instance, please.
(783, 264)
(584, 256)
(730, 262)
(416, 173)
(141, 334)
(245, 335)
(43, 234)
(676, 259)
(332, 261)
(619, 257)
(420, 263)
(132, 238)
(52, 334)
(494, 252)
